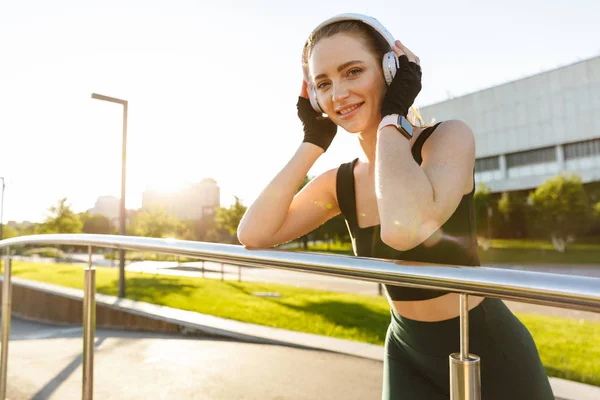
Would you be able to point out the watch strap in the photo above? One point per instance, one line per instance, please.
(399, 122)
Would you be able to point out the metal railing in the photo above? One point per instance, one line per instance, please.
(574, 292)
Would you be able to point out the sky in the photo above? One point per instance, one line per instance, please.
(212, 86)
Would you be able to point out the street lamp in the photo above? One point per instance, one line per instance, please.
(123, 169)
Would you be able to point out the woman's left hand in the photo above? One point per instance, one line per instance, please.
(400, 50)
(406, 85)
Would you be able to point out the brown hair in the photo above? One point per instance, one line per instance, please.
(375, 43)
(372, 39)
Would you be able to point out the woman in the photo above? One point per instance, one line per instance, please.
(409, 197)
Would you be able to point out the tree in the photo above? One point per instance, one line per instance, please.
(62, 219)
(335, 229)
(595, 224)
(483, 203)
(513, 207)
(198, 229)
(98, 224)
(229, 218)
(155, 222)
(560, 208)
(304, 239)
(8, 232)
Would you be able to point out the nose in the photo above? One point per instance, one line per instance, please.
(339, 92)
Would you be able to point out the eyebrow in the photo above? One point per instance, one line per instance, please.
(340, 68)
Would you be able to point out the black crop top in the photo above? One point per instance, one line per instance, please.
(454, 243)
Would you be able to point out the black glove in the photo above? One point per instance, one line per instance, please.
(318, 130)
(403, 91)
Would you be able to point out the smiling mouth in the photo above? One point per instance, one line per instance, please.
(348, 110)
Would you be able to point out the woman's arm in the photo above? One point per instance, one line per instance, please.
(414, 201)
(279, 214)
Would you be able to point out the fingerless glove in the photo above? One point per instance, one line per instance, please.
(318, 129)
(403, 91)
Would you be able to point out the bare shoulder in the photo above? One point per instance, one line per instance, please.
(449, 160)
(459, 130)
(451, 136)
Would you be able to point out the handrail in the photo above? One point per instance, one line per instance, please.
(575, 292)
(558, 290)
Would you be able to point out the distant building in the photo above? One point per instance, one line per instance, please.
(108, 206)
(22, 224)
(533, 128)
(189, 203)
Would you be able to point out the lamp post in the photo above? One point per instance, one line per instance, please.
(123, 174)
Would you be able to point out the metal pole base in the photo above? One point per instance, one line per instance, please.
(6, 314)
(465, 378)
(89, 329)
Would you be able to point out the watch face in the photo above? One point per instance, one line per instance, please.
(405, 125)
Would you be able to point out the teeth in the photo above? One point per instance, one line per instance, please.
(347, 110)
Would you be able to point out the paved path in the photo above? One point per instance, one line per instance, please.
(45, 362)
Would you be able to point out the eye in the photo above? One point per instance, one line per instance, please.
(354, 72)
(322, 85)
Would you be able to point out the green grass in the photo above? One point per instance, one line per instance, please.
(509, 251)
(538, 256)
(569, 349)
(333, 248)
(539, 244)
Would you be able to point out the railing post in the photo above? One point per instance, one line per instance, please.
(89, 329)
(465, 379)
(6, 314)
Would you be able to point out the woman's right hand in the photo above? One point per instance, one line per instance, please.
(318, 130)
(405, 86)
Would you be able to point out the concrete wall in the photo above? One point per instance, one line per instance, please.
(38, 305)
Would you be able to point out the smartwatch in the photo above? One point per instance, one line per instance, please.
(399, 122)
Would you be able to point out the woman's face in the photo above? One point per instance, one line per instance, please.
(349, 82)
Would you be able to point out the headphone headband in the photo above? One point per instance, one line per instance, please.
(372, 22)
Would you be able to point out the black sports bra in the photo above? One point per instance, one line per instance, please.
(454, 243)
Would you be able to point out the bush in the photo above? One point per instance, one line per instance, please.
(560, 209)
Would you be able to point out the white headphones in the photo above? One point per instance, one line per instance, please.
(389, 62)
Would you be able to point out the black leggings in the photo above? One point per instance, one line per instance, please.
(416, 361)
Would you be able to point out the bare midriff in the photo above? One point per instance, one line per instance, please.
(434, 310)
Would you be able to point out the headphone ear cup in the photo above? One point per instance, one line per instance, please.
(312, 97)
(390, 65)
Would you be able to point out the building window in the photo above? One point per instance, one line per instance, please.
(538, 156)
(487, 164)
(587, 148)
